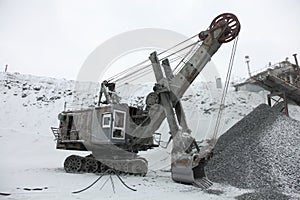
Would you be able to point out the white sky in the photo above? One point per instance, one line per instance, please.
(54, 37)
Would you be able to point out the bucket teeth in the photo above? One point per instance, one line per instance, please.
(203, 183)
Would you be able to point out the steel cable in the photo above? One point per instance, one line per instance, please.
(216, 129)
(149, 66)
(135, 67)
(145, 71)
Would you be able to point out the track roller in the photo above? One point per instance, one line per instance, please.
(89, 165)
(73, 164)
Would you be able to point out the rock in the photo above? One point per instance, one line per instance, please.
(37, 88)
(54, 98)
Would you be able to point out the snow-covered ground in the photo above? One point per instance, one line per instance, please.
(31, 167)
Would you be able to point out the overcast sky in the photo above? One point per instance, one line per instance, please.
(54, 38)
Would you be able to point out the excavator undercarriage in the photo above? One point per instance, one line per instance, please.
(89, 164)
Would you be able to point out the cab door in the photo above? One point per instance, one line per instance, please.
(119, 123)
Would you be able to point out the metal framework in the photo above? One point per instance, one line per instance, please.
(283, 81)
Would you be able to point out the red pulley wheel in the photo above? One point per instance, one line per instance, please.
(233, 26)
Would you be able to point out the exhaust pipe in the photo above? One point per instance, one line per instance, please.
(296, 60)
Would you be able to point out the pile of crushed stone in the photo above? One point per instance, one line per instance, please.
(261, 152)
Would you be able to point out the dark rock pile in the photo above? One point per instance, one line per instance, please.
(261, 152)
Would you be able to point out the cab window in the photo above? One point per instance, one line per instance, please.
(106, 120)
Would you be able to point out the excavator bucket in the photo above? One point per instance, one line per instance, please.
(184, 172)
(188, 163)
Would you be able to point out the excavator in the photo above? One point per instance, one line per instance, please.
(115, 132)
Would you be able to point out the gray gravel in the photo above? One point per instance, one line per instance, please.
(262, 152)
(267, 195)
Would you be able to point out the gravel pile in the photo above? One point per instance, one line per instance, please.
(262, 152)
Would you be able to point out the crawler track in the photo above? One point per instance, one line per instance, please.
(88, 164)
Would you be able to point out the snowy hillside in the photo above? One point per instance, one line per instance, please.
(32, 168)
